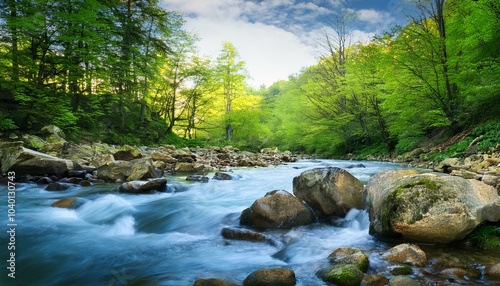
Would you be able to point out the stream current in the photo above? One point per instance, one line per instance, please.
(173, 238)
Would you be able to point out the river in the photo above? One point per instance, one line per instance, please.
(172, 238)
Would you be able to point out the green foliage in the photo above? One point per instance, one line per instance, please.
(454, 150)
(407, 143)
(486, 236)
(6, 123)
(173, 139)
(379, 149)
(491, 135)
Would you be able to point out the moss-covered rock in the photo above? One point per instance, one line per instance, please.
(342, 274)
(401, 270)
(348, 255)
(428, 207)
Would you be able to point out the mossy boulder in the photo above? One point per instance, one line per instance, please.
(342, 274)
(401, 270)
(33, 141)
(348, 255)
(433, 208)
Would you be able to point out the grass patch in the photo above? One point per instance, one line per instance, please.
(486, 237)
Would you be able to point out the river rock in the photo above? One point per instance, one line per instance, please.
(67, 203)
(163, 157)
(143, 169)
(115, 170)
(138, 169)
(329, 191)
(59, 186)
(100, 160)
(407, 254)
(342, 274)
(33, 141)
(401, 280)
(53, 130)
(144, 187)
(349, 255)
(374, 280)
(493, 271)
(278, 209)
(212, 282)
(401, 269)
(197, 178)
(271, 276)
(185, 167)
(460, 273)
(242, 234)
(225, 176)
(428, 207)
(24, 161)
(128, 153)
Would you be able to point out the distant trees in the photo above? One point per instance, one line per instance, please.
(439, 71)
(127, 72)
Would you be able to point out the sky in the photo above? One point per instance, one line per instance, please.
(277, 38)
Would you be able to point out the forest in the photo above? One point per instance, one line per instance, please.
(128, 72)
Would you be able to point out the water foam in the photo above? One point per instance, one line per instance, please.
(105, 209)
(123, 226)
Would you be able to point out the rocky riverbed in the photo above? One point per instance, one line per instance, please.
(405, 206)
(53, 158)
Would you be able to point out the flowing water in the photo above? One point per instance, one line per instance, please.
(172, 238)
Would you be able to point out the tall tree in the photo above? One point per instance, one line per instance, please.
(421, 51)
(232, 75)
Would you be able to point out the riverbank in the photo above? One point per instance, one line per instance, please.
(50, 157)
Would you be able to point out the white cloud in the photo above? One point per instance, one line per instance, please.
(275, 38)
(375, 17)
(270, 53)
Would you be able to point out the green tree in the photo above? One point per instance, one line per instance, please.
(232, 76)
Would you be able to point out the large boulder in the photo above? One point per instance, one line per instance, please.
(127, 153)
(33, 141)
(100, 160)
(138, 169)
(430, 207)
(329, 191)
(278, 209)
(23, 161)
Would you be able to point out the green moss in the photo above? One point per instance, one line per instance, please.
(344, 274)
(363, 264)
(401, 270)
(412, 200)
